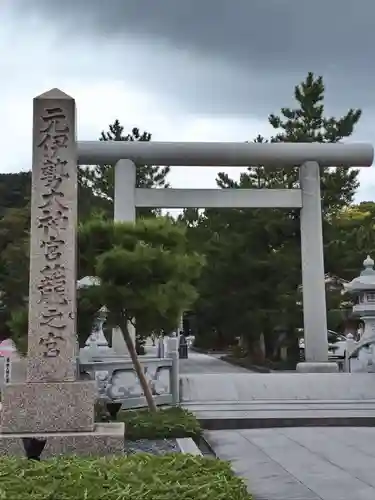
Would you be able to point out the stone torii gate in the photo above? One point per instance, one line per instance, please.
(125, 156)
(309, 156)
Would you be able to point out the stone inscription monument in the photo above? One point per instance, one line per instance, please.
(52, 324)
(53, 404)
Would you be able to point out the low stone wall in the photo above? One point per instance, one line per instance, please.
(277, 386)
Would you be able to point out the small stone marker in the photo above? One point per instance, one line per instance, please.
(53, 400)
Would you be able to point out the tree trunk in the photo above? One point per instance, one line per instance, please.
(138, 367)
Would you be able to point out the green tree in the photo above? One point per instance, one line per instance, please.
(145, 274)
(250, 283)
(18, 324)
(14, 263)
(351, 239)
(15, 191)
(100, 179)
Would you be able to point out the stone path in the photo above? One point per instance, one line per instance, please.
(201, 363)
(301, 463)
(206, 364)
(288, 463)
(253, 400)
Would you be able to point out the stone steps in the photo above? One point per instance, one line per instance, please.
(218, 415)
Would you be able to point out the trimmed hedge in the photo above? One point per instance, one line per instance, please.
(142, 476)
(166, 423)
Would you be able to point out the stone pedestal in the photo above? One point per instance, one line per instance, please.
(104, 439)
(48, 407)
(53, 405)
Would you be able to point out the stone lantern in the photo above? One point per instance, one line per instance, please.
(96, 346)
(363, 288)
(97, 341)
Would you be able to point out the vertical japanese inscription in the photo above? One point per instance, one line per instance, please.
(52, 299)
(52, 221)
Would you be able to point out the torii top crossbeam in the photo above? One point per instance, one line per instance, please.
(225, 154)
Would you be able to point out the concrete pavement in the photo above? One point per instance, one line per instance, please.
(288, 463)
(200, 363)
(207, 364)
(301, 463)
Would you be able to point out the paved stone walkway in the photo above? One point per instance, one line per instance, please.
(206, 364)
(302, 463)
(201, 363)
(295, 463)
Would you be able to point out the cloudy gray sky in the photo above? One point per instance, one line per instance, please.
(205, 70)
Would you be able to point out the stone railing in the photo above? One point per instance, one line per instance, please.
(118, 382)
(116, 378)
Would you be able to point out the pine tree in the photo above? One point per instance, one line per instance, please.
(253, 266)
(307, 123)
(100, 179)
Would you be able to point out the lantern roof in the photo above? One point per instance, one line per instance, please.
(366, 279)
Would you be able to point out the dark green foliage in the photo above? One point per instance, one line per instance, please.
(250, 283)
(141, 476)
(15, 191)
(14, 266)
(100, 179)
(163, 424)
(18, 324)
(144, 269)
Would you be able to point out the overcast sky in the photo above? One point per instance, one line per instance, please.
(194, 70)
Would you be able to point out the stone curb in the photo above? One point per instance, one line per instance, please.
(187, 445)
(219, 424)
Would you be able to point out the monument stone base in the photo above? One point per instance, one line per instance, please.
(106, 439)
(48, 407)
(317, 367)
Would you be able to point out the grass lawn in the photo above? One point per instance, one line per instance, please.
(142, 476)
(137, 477)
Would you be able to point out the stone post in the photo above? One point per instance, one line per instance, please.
(313, 278)
(172, 348)
(52, 339)
(53, 400)
(161, 347)
(124, 211)
(349, 348)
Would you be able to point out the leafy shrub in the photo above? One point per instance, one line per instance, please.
(166, 423)
(132, 478)
(18, 324)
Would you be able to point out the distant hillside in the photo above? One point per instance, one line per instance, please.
(15, 192)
